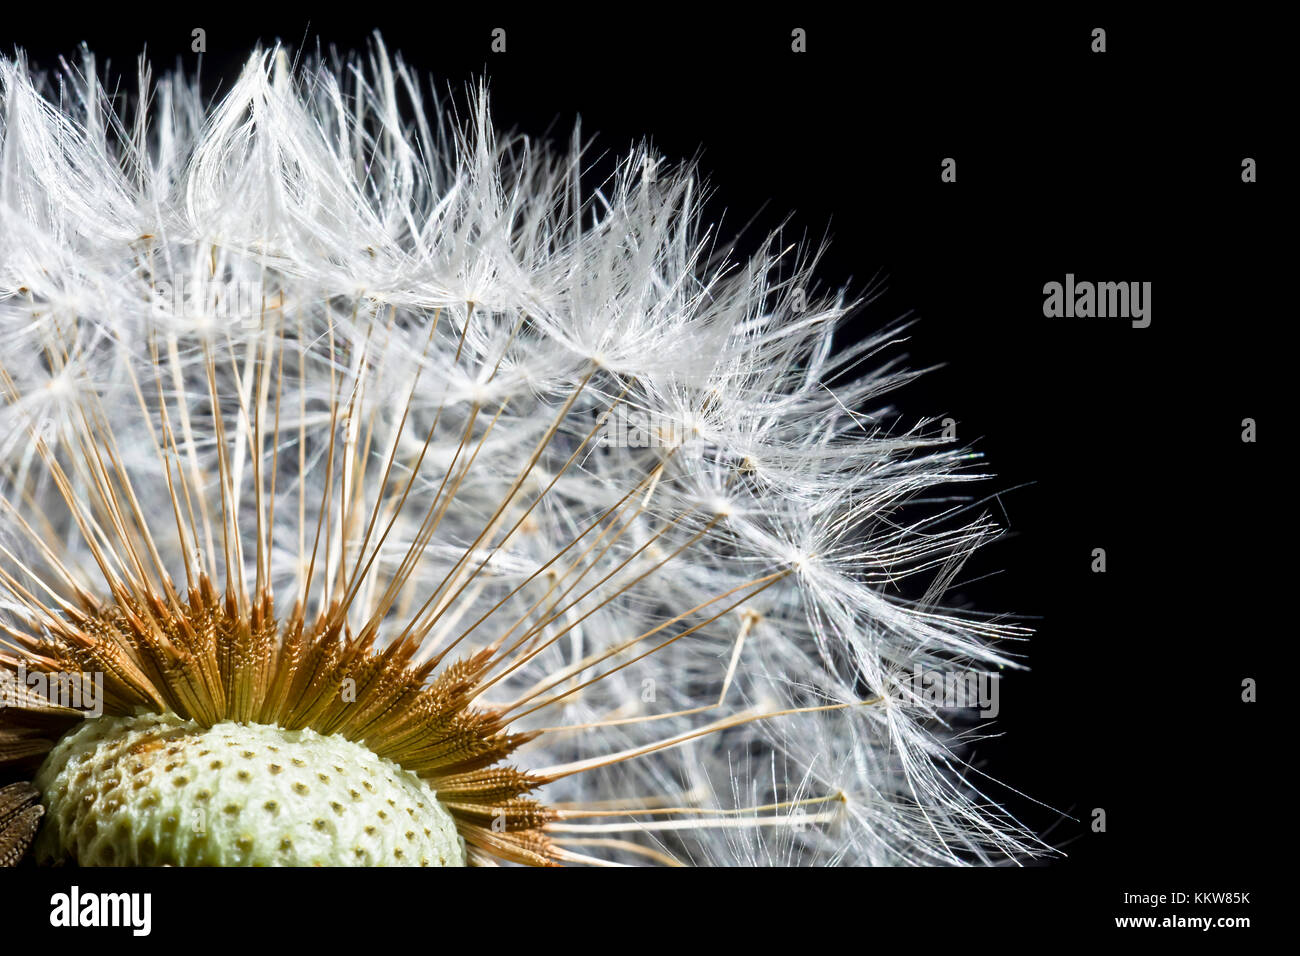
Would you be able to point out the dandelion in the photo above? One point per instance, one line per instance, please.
(306, 457)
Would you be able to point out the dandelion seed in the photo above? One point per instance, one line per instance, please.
(364, 582)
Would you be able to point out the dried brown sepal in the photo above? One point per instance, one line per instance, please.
(20, 816)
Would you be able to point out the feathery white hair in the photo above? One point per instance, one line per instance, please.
(418, 277)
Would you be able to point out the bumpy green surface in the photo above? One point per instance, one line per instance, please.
(149, 790)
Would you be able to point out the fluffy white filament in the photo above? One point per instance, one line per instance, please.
(417, 276)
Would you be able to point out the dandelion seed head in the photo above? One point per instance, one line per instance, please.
(318, 383)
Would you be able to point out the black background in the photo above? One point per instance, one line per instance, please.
(1122, 166)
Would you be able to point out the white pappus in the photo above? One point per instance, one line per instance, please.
(325, 340)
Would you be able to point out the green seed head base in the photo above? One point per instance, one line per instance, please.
(154, 789)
